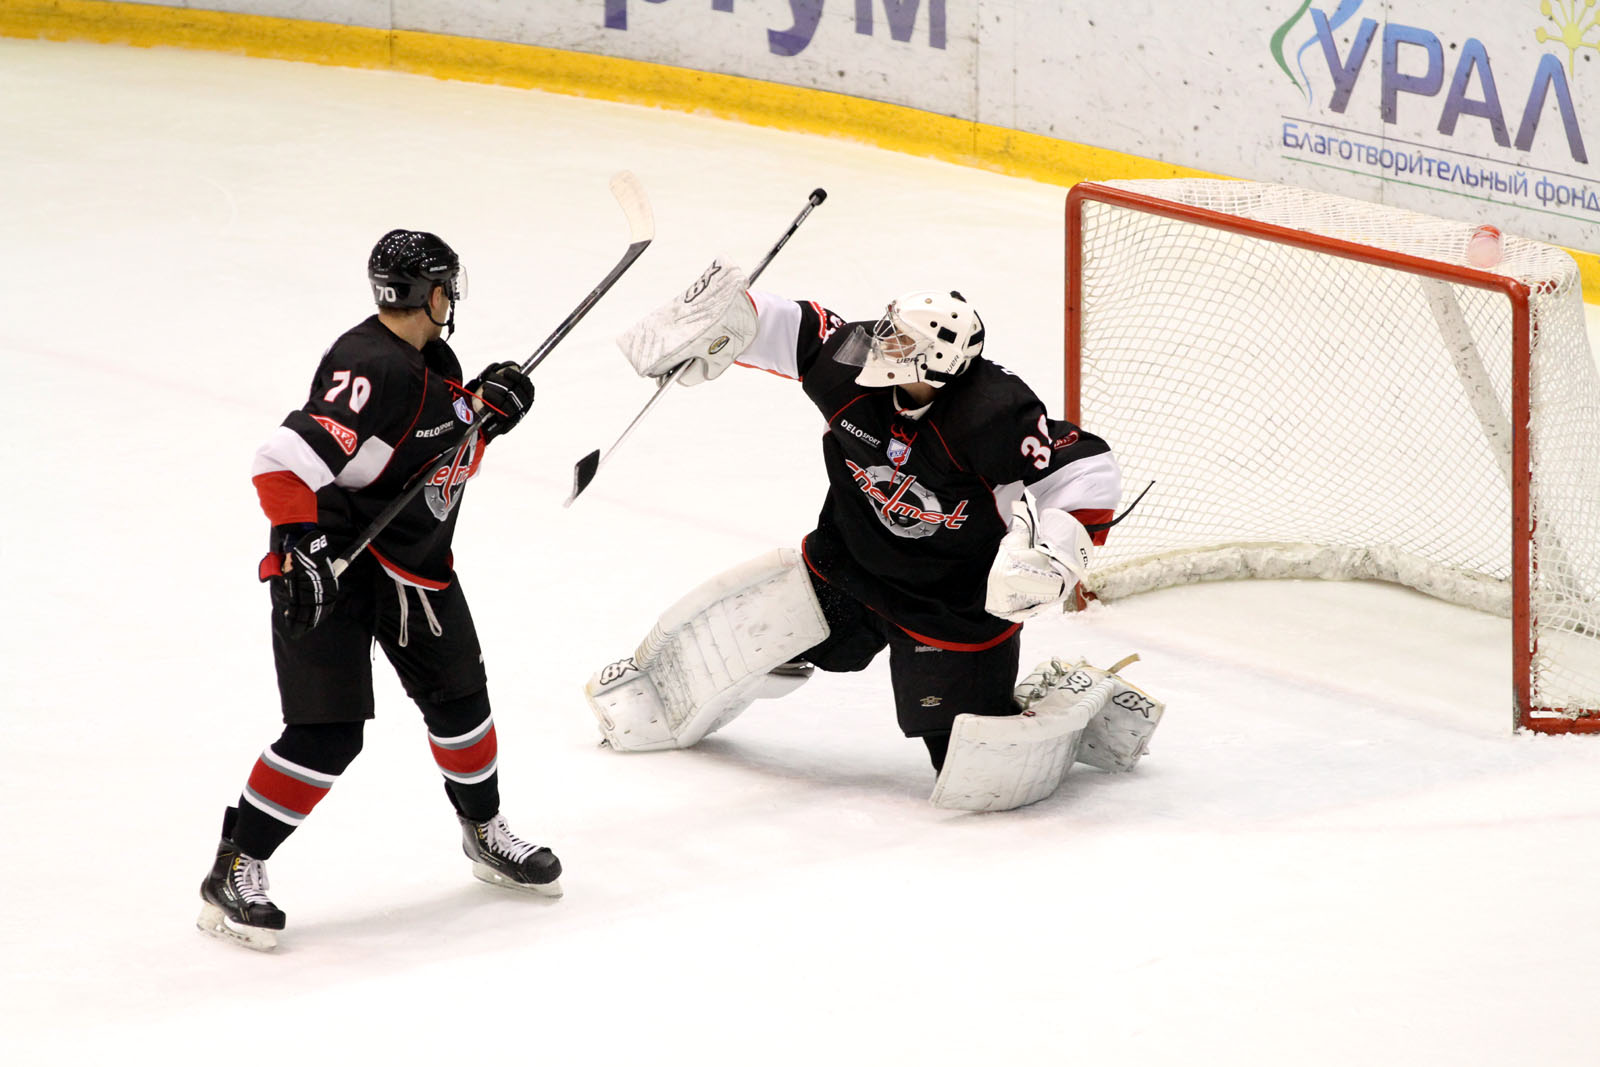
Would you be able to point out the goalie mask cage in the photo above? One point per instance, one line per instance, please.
(1322, 387)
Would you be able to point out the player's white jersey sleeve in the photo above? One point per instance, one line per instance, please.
(1087, 483)
(286, 450)
(776, 346)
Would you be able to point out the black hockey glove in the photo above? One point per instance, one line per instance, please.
(301, 577)
(507, 394)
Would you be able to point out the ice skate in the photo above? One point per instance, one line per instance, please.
(236, 906)
(500, 857)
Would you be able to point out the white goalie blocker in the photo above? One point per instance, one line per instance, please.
(709, 656)
(1070, 713)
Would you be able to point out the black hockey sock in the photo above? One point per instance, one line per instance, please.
(461, 734)
(938, 744)
(291, 776)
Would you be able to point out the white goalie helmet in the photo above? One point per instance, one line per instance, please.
(924, 336)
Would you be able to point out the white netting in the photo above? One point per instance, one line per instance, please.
(1308, 415)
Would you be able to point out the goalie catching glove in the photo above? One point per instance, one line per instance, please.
(709, 326)
(1041, 559)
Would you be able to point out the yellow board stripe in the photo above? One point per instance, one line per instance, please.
(759, 103)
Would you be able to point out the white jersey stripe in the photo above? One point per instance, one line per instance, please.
(365, 466)
(466, 740)
(1093, 483)
(475, 777)
(286, 450)
(777, 334)
(294, 770)
(277, 811)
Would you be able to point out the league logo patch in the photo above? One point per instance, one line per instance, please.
(343, 435)
(899, 449)
(463, 410)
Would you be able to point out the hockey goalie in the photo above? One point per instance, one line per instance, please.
(956, 509)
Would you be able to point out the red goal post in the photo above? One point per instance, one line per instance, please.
(1322, 387)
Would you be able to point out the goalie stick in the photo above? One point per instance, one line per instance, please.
(641, 231)
(585, 469)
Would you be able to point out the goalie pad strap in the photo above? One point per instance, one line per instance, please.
(708, 655)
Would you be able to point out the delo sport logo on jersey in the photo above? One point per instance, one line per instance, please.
(857, 432)
(904, 506)
(1436, 107)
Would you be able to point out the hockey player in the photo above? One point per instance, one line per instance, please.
(956, 509)
(386, 404)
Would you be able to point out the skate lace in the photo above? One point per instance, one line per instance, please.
(498, 836)
(250, 880)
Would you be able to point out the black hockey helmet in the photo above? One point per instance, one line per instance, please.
(405, 265)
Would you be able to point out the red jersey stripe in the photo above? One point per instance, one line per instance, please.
(288, 793)
(470, 760)
(405, 575)
(1089, 516)
(285, 498)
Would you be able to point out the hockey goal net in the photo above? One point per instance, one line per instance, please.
(1323, 388)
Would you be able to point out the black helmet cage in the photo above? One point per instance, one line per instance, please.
(405, 265)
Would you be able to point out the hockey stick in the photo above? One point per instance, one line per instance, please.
(641, 231)
(586, 468)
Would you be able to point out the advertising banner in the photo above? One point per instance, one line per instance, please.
(1469, 110)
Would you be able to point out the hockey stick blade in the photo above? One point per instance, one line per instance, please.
(587, 467)
(583, 474)
(635, 206)
(641, 231)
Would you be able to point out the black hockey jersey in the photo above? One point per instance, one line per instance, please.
(918, 501)
(379, 412)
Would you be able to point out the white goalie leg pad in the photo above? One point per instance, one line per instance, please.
(1000, 762)
(1119, 733)
(1070, 712)
(708, 656)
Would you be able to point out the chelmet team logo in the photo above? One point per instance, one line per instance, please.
(904, 506)
(441, 489)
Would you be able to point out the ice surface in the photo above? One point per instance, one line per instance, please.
(1337, 852)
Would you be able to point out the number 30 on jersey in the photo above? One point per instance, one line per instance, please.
(1038, 448)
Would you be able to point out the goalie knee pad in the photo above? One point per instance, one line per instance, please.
(1067, 713)
(709, 656)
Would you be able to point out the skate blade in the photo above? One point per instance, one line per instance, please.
(484, 873)
(212, 921)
